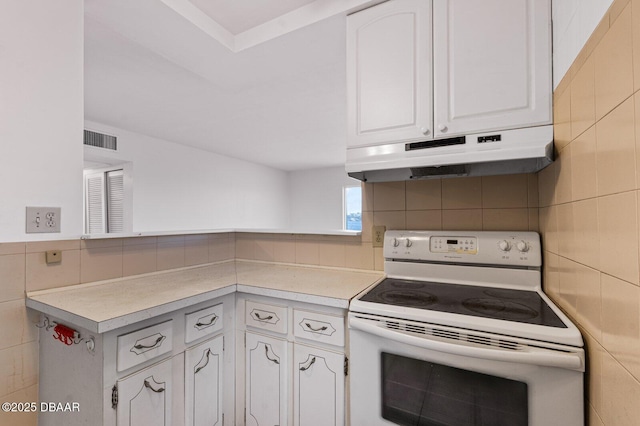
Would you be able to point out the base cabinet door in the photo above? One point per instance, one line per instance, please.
(203, 383)
(266, 380)
(144, 398)
(318, 387)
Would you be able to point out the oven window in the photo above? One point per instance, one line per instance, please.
(422, 393)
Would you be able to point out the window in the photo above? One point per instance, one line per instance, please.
(352, 202)
(104, 201)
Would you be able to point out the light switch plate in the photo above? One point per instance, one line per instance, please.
(378, 235)
(43, 220)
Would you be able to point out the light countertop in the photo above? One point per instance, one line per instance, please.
(104, 306)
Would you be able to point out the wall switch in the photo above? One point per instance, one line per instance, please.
(53, 257)
(378, 235)
(43, 219)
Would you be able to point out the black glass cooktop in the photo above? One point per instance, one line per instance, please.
(497, 303)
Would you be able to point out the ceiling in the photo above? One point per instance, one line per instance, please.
(263, 81)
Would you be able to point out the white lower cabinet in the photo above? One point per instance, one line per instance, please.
(318, 385)
(144, 398)
(203, 379)
(266, 380)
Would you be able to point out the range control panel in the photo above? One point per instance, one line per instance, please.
(482, 247)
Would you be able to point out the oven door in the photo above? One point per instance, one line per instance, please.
(400, 376)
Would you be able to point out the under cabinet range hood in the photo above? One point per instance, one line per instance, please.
(524, 150)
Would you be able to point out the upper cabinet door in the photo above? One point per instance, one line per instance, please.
(492, 65)
(389, 73)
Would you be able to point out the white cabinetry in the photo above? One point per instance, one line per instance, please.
(203, 390)
(295, 366)
(491, 65)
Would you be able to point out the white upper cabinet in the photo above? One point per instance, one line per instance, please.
(389, 72)
(486, 67)
(492, 65)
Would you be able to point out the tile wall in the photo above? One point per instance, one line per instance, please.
(23, 268)
(589, 211)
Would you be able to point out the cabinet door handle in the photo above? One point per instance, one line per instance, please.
(201, 324)
(147, 385)
(323, 328)
(303, 368)
(257, 315)
(266, 352)
(156, 343)
(207, 354)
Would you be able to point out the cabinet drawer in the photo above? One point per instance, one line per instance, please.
(142, 345)
(203, 323)
(266, 317)
(318, 327)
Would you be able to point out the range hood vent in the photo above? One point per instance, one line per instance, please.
(100, 140)
(513, 151)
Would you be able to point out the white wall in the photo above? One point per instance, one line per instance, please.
(178, 188)
(573, 23)
(316, 198)
(41, 114)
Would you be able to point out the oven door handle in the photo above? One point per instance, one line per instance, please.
(535, 356)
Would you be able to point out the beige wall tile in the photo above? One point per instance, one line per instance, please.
(592, 417)
(367, 223)
(568, 292)
(388, 196)
(618, 231)
(100, 264)
(196, 250)
(40, 276)
(549, 228)
(585, 225)
(12, 277)
(42, 246)
(462, 220)
(563, 179)
(139, 241)
(221, 249)
(534, 222)
(616, 9)
(101, 243)
(378, 259)
(359, 256)
(621, 393)
(583, 165)
(245, 247)
(17, 325)
(583, 107)
(331, 254)
(588, 300)
(636, 102)
(392, 220)
(284, 251)
(562, 118)
(170, 255)
(621, 322)
(462, 193)
(171, 239)
(264, 249)
(505, 191)
(307, 252)
(18, 368)
(21, 419)
(565, 232)
(532, 190)
(12, 248)
(593, 375)
(635, 19)
(615, 150)
(613, 63)
(424, 219)
(505, 219)
(547, 180)
(367, 197)
(139, 259)
(551, 275)
(424, 194)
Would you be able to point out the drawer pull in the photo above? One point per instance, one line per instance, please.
(147, 385)
(303, 368)
(207, 353)
(266, 352)
(206, 324)
(258, 317)
(323, 328)
(155, 344)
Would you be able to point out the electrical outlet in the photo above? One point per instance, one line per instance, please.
(378, 235)
(43, 219)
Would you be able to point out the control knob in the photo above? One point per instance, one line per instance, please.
(504, 245)
(522, 246)
(408, 243)
(396, 243)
